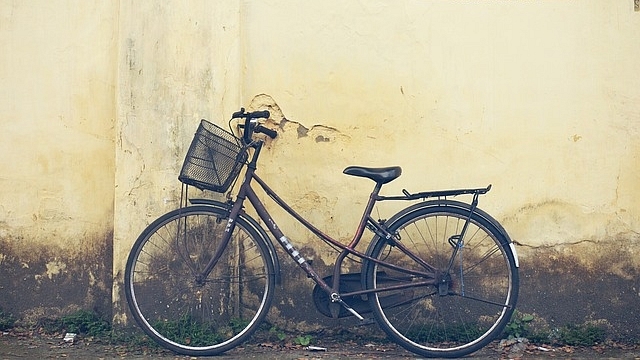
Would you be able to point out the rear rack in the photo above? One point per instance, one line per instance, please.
(435, 194)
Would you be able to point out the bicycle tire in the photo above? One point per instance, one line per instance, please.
(481, 291)
(191, 316)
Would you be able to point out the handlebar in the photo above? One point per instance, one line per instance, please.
(251, 124)
(250, 115)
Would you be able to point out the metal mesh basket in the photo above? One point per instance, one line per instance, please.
(214, 159)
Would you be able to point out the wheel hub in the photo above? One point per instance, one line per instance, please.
(444, 283)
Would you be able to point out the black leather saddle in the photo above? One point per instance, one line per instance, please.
(379, 175)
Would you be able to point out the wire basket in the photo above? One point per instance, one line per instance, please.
(214, 159)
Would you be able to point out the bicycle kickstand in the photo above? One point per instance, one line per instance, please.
(336, 298)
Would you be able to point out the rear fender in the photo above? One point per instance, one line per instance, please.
(445, 203)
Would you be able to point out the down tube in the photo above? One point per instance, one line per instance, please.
(284, 241)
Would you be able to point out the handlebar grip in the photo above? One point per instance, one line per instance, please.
(260, 114)
(269, 132)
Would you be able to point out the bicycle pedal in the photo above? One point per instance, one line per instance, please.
(366, 322)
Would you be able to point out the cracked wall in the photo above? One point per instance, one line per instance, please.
(578, 264)
(533, 98)
(536, 100)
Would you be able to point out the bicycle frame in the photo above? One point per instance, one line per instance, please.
(247, 192)
(440, 277)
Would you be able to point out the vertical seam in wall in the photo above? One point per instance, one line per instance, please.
(242, 53)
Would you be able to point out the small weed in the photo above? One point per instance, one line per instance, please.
(87, 323)
(6, 320)
(581, 335)
(303, 340)
(540, 336)
(519, 325)
(82, 322)
(278, 333)
(238, 324)
(188, 331)
(522, 325)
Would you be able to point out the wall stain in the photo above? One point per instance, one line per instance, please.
(560, 288)
(571, 273)
(40, 279)
(557, 287)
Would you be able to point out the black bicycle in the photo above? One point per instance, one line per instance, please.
(439, 277)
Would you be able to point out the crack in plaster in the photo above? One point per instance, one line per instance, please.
(304, 131)
(552, 246)
(264, 101)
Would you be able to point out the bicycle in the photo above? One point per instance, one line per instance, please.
(440, 277)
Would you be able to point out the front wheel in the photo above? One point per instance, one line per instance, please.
(176, 305)
(462, 305)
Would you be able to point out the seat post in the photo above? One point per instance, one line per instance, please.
(376, 191)
(372, 201)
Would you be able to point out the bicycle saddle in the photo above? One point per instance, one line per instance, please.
(379, 175)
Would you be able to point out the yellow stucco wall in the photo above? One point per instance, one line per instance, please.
(180, 62)
(538, 98)
(541, 100)
(57, 117)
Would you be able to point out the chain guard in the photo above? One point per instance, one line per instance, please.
(348, 283)
(360, 303)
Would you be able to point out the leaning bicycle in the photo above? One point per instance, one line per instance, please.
(439, 277)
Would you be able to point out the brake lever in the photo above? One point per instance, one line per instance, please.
(238, 114)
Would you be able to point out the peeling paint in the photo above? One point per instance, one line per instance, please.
(55, 268)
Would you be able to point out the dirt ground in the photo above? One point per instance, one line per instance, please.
(15, 345)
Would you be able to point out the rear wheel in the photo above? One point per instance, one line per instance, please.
(178, 307)
(465, 307)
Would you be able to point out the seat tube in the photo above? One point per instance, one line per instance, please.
(366, 215)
